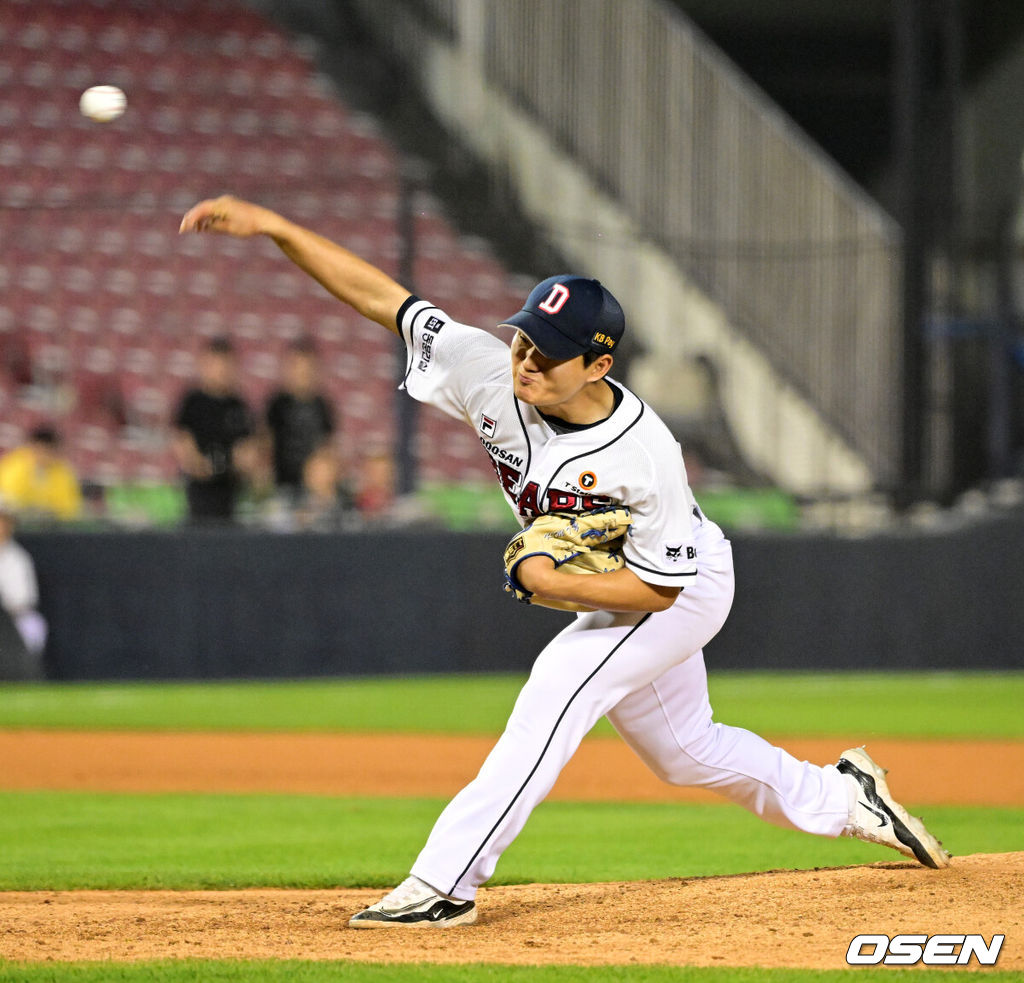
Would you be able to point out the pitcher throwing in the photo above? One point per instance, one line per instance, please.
(572, 445)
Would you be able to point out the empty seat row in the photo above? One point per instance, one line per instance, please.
(103, 306)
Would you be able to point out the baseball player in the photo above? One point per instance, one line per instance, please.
(566, 439)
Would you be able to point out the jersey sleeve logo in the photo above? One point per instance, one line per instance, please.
(427, 346)
(674, 552)
(434, 324)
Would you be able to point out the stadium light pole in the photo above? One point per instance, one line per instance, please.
(908, 83)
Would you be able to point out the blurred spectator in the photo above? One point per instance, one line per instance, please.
(299, 417)
(37, 482)
(325, 503)
(212, 436)
(375, 496)
(22, 627)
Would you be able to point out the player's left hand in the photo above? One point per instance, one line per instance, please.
(585, 543)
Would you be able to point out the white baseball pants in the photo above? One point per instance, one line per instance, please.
(646, 672)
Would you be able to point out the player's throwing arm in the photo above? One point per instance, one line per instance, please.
(350, 278)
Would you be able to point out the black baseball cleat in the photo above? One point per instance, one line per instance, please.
(414, 904)
(879, 818)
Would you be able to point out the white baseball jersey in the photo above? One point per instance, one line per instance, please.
(645, 671)
(630, 458)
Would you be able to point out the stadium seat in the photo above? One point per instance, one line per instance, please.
(97, 286)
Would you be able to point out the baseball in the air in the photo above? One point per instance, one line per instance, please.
(103, 103)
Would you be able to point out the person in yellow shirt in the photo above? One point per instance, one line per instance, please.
(37, 481)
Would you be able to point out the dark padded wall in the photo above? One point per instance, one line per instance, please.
(221, 604)
(232, 603)
(953, 600)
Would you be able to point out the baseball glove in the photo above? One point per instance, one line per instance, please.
(590, 542)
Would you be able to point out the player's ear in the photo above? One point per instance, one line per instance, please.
(599, 368)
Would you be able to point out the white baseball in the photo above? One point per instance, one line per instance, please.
(103, 103)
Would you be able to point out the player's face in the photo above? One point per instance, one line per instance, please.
(548, 382)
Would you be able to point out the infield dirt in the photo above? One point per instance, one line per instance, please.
(989, 773)
(781, 918)
(785, 918)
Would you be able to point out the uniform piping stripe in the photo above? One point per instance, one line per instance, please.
(406, 335)
(544, 750)
(665, 573)
(526, 437)
(622, 433)
(406, 304)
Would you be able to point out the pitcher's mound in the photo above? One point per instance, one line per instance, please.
(782, 918)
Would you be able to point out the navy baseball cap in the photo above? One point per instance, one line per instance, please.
(567, 315)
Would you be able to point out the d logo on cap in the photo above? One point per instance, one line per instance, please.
(568, 315)
(556, 299)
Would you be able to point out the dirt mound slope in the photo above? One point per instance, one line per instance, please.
(783, 918)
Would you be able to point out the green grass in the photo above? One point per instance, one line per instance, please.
(295, 971)
(72, 840)
(950, 705)
(67, 840)
(475, 705)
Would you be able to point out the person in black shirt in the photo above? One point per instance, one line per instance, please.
(212, 426)
(300, 419)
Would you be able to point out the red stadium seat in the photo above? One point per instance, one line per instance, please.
(98, 287)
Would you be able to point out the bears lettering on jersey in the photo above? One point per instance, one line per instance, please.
(557, 500)
(529, 501)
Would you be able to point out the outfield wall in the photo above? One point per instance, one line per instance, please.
(233, 603)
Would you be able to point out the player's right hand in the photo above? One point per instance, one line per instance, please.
(226, 215)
